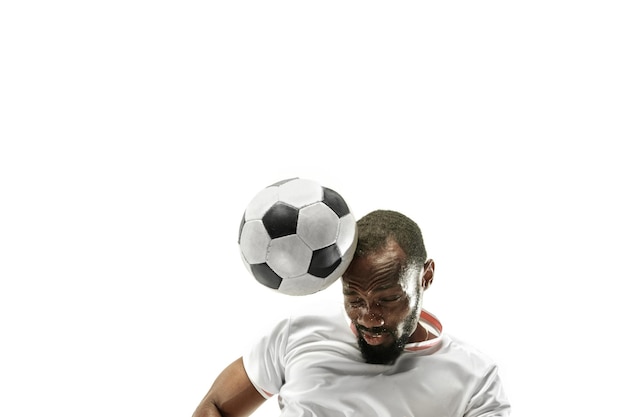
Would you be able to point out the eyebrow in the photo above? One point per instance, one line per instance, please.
(385, 287)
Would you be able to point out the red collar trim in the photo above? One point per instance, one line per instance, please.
(427, 319)
(434, 326)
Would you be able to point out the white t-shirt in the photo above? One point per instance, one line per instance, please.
(314, 364)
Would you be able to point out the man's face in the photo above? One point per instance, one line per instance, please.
(382, 297)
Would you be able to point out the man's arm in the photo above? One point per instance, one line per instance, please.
(232, 394)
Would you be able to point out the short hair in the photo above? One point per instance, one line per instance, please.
(376, 228)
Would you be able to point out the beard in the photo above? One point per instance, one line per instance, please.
(386, 355)
(382, 355)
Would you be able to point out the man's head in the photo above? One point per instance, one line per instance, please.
(384, 284)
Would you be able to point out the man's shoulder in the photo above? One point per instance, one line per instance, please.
(305, 326)
(467, 352)
(322, 317)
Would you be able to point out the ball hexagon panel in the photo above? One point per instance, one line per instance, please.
(289, 256)
(302, 285)
(318, 225)
(253, 242)
(305, 284)
(281, 182)
(346, 239)
(262, 202)
(300, 192)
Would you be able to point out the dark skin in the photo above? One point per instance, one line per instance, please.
(377, 294)
(232, 394)
(381, 293)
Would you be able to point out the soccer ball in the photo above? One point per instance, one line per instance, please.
(297, 237)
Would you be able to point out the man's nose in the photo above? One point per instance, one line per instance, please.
(371, 316)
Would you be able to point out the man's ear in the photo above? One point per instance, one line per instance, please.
(429, 273)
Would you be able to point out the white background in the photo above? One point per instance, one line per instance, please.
(134, 133)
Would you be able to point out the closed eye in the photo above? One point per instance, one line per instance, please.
(390, 299)
(356, 303)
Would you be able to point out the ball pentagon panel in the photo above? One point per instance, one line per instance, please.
(336, 202)
(281, 220)
(266, 275)
(325, 261)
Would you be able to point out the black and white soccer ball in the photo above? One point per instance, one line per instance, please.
(297, 237)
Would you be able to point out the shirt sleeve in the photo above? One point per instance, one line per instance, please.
(489, 398)
(264, 361)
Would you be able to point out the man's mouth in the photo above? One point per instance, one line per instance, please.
(374, 336)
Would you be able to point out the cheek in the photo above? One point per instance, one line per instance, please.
(352, 312)
(394, 315)
(402, 313)
(401, 318)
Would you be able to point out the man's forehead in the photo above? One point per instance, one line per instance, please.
(390, 278)
(394, 276)
(375, 286)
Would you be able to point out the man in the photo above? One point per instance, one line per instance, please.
(382, 356)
